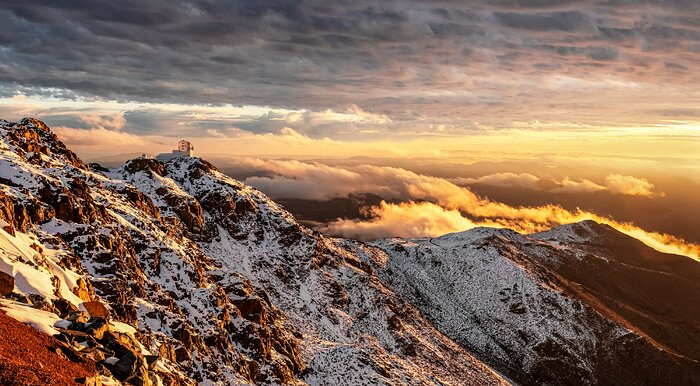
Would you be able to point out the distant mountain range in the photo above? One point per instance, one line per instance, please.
(176, 274)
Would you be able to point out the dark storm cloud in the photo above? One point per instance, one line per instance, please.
(407, 59)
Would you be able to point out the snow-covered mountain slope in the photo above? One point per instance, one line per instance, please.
(356, 331)
(657, 294)
(208, 281)
(501, 295)
(218, 281)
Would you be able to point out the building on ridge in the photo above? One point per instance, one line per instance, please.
(184, 150)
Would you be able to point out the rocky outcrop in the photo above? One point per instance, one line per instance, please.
(7, 284)
(115, 353)
(138, 267)
(31, 139)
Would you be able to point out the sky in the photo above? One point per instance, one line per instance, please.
(558, 97)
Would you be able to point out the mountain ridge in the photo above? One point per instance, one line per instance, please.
(213, 282)
(201, 265)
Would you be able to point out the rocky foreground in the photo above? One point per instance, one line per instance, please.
(176, 274)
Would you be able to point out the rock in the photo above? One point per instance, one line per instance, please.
(145, 164)
(96, 309)
(182, 355)
(9, 229)
(64, 307)
(89, 381)
(125, 366)
(131, 367)
(37, 248)
(74, 338)
(184, 335)
(43, 304)
(78, 316)
(140, 380)
(93, 354)
(81, 290)
(94, 166)
(20, 298)
(97, 327)
(7, 283)
(167, 351)
(251, 308)
(121, 337)
(151, 360)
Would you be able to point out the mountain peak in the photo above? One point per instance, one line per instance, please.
(34, 123)
(582, 231)
(33, 141)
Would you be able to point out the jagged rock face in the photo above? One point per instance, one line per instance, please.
(492, 291)
(144, 267)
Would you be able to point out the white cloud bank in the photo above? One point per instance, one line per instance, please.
(614, 183)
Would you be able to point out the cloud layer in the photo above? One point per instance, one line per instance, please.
(433, 206)
(614, 183)
(411, 66)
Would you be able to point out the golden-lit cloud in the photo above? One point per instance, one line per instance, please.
(305, 118)
(425, 219)
(629, 185)
(614, 183)
(432, 205)
(408, 219)
(97, 137)
(113, 122)
(505, 179)
(296, 179)
(568, 185)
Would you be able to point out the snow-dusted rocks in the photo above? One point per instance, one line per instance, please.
(354, 330)
(213, 277)
(72, 223)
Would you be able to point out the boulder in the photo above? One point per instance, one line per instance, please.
(7, 283)
(132, 368)
(81, 290)
(97, 327)
(93, 354)
(119, 342)
(125, 366)
(182, 355)
(64, 307)
(89, 381)
(75, 338)
(37, 247)
(151, 360)
(78, 316)
(251, 308)
(96, 309)
(20, 298)
(9, 229)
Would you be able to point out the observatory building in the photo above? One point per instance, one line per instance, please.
(184, 150)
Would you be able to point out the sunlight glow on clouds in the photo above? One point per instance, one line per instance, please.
(434, 206)
(614, 183)
(614, 82)
(426, 219)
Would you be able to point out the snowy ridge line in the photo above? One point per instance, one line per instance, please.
(215, 278)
